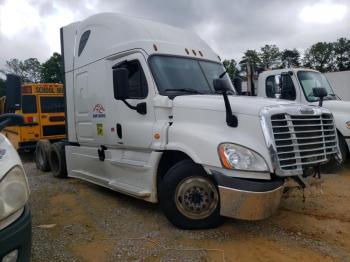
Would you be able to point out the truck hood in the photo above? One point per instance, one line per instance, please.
(239, 104)
(337, 106)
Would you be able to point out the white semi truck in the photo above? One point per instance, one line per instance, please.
(151, 113)
(296, 84)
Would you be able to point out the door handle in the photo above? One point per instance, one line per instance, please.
(119, 131)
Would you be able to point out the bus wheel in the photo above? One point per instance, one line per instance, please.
(42, 152)
(189, 197)
(58, 160)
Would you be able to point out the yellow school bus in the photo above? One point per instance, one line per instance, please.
(41, 105)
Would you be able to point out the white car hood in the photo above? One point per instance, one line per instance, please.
(337, 106)
(239, 104)
(8, 156)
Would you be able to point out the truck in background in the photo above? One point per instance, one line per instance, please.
(151, 113)
(340, 82)
(296, 84)
(42, 107)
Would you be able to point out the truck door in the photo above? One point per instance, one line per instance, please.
(135, 130)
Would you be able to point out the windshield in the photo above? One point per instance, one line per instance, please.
(309, 80)
(178, 75)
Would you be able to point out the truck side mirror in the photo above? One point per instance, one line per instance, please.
(10, 120)
(320, 92)
(221, 85)
(121, 83)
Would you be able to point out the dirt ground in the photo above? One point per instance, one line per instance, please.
(78, 221)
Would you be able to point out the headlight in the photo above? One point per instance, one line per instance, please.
(237, 157)
(14, 192)
(348, 124)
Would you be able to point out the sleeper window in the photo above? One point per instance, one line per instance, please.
(83, 40)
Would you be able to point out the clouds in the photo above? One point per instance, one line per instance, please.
(30, 28)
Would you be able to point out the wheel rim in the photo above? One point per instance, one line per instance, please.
(196, 197)
(40, 157)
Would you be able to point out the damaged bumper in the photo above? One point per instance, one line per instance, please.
(248, 199)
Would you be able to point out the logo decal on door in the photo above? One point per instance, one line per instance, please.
(99, 111)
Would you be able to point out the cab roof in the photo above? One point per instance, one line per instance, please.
(112, 33)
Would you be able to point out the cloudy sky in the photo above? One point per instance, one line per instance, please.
(30, 28)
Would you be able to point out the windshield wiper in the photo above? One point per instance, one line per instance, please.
(187, 90)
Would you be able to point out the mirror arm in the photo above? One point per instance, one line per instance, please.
(320, 102)
(140, 108)
(128, 105)
(4, 123)
(231, 120)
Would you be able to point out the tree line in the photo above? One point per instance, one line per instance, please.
(32, 71)
(322, 56)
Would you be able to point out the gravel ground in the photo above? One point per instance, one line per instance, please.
(78, 221)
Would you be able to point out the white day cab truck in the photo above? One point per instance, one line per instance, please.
(15, 217)
(297, 84)
(151, 113)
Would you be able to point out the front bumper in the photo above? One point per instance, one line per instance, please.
(248, 199)
(18, 236)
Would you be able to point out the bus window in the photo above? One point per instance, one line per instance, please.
(29, 104)
(52, 104)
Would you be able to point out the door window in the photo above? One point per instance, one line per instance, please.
(272, 86)
(282, 85)
(138, 88)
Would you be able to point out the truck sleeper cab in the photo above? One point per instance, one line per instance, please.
(296, 84)
(144, 118)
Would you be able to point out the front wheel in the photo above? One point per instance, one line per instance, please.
(333, 166)
(189, 197)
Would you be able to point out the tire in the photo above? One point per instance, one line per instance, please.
(333, 166)
(184, 191)
(343, 148)
(58, 160)
(42, 153)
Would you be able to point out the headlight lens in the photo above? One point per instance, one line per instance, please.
(14, 192)
(348, 124)
(237, 157)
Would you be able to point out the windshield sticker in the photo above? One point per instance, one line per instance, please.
(98, 111)
(99, 129)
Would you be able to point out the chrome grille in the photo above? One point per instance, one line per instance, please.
(303, 140)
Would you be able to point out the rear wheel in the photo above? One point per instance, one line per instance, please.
(42, 153)
(189, 197)
(58, 160)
